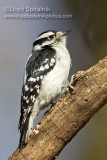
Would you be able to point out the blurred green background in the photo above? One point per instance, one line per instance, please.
(87, 45)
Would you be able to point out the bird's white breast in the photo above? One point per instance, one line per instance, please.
(51, 86)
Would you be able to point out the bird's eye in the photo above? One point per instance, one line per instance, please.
(51, 37)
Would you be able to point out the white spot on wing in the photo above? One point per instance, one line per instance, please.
(45, 60)
(32, 79)
(37, 86)
(27, 101)
(26, 88)
(32, 98)
(25, 97)
(41, 77)
(46, 66)
(37, 78)
(41, 68)
(31, 89)
(37, 90)
(29, 109)
(51, 64)
(52, 60)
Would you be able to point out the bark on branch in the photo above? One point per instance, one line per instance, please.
(68, 115)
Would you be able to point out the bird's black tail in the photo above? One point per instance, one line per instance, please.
(22, 141)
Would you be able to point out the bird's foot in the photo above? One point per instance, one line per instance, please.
(35, 130)
(70, 85)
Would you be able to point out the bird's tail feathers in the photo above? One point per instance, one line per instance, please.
(26, 131)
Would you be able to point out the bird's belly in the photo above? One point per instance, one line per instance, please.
(51, 87)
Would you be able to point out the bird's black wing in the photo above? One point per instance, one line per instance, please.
(38, 65)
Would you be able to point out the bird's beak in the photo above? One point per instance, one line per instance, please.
(61, 34)
(66, 33)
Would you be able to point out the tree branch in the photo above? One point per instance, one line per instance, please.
(62, 122)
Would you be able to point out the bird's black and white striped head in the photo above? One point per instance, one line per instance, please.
(50, 38)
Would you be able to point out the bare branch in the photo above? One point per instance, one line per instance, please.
(68, 115)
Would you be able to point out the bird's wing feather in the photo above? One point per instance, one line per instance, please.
(38, 65)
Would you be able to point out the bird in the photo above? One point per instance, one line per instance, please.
(45, 78)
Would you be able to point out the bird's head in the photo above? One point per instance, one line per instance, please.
(50, 38)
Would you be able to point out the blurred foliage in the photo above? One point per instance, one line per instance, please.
(92, 21)
(98, 150)
(94, 17)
